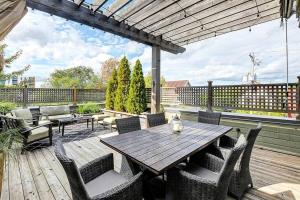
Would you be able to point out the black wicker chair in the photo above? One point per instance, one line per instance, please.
(98, 180)
(129, 124)
(241, 177)
(205, 177)
(209, 117)
(156, 119)
(126, 125)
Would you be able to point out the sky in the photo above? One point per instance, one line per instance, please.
(49, 43)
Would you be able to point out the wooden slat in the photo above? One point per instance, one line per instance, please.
(57, 189)
(15, 183)
(223, 9)
(5, 180)
(218, 21)
(97, 4)
(132, 8)
(234, 28)
(29, 188)
(39, 178)
(116, 6)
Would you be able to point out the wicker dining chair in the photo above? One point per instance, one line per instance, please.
(125, 125)
(205, 177)
(241, 177)
(129, 124)
(156, 119)
(97, 180)
(209, 117)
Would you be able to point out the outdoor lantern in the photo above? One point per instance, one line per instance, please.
(176, 124)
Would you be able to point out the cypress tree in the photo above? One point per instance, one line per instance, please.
(123, 85)
(136, 102)
(111, 90)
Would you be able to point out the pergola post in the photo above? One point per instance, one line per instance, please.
(298, 99)
(155, 93)
(209, 96)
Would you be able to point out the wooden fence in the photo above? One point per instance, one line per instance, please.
(258, 97)
(27, 96)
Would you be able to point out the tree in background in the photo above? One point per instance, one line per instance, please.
(111, 90)
(5, 62)
(76, 77)
(148, 80)
(136, 102)
(107, 68)
(123, 85)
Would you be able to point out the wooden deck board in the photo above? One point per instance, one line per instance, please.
(39, 175)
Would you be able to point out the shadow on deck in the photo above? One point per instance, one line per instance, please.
(37, 174)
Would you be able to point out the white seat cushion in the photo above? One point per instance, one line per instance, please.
(100, 117)
(38, 133)
(105, 182)
(109, 120)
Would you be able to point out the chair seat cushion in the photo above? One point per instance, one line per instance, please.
(100, 117)
(38, 133)
(105, 182)
(55, 117)
(202, 172)
(110, 120)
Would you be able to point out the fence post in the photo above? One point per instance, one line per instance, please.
(74, 97)
(298, 99)
(25, 96)
(209, 96)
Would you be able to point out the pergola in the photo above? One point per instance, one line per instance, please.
(167, 24)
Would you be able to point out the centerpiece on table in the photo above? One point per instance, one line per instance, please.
(176, 124)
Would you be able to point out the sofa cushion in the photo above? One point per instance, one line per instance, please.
(99, 117)
(54, 110)
(38, 133)
(105, 182)
(55, 117)
(22, 113)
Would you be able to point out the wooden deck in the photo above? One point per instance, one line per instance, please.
(39, 175)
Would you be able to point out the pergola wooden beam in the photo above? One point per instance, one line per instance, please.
(231, 29)
(78, 2)
(71, 11)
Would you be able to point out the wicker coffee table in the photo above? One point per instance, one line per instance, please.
(68, 120)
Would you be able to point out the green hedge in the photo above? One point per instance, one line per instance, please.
(88, 108)
(6, 107)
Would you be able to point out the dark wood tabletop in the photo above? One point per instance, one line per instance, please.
(159, 149)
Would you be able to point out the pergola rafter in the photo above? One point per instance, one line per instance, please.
(97, 4)
(116, 7)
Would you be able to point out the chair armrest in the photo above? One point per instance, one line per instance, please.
(132, 189)
(227, 141)
(212, 162)
(28, 129)
(97, 167)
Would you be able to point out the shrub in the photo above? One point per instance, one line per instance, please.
(111, 90)
(137, 102)
(123, 85)
(6, 107)
(88, 108)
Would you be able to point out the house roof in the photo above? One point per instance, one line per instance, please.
(179, 83)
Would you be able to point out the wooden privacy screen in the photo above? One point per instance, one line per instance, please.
(50, 95)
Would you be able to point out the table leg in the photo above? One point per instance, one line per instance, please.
(63, 129)
(58, 127)
(92, 124)
(87, 123)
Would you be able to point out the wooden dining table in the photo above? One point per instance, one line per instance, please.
(158, 149)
